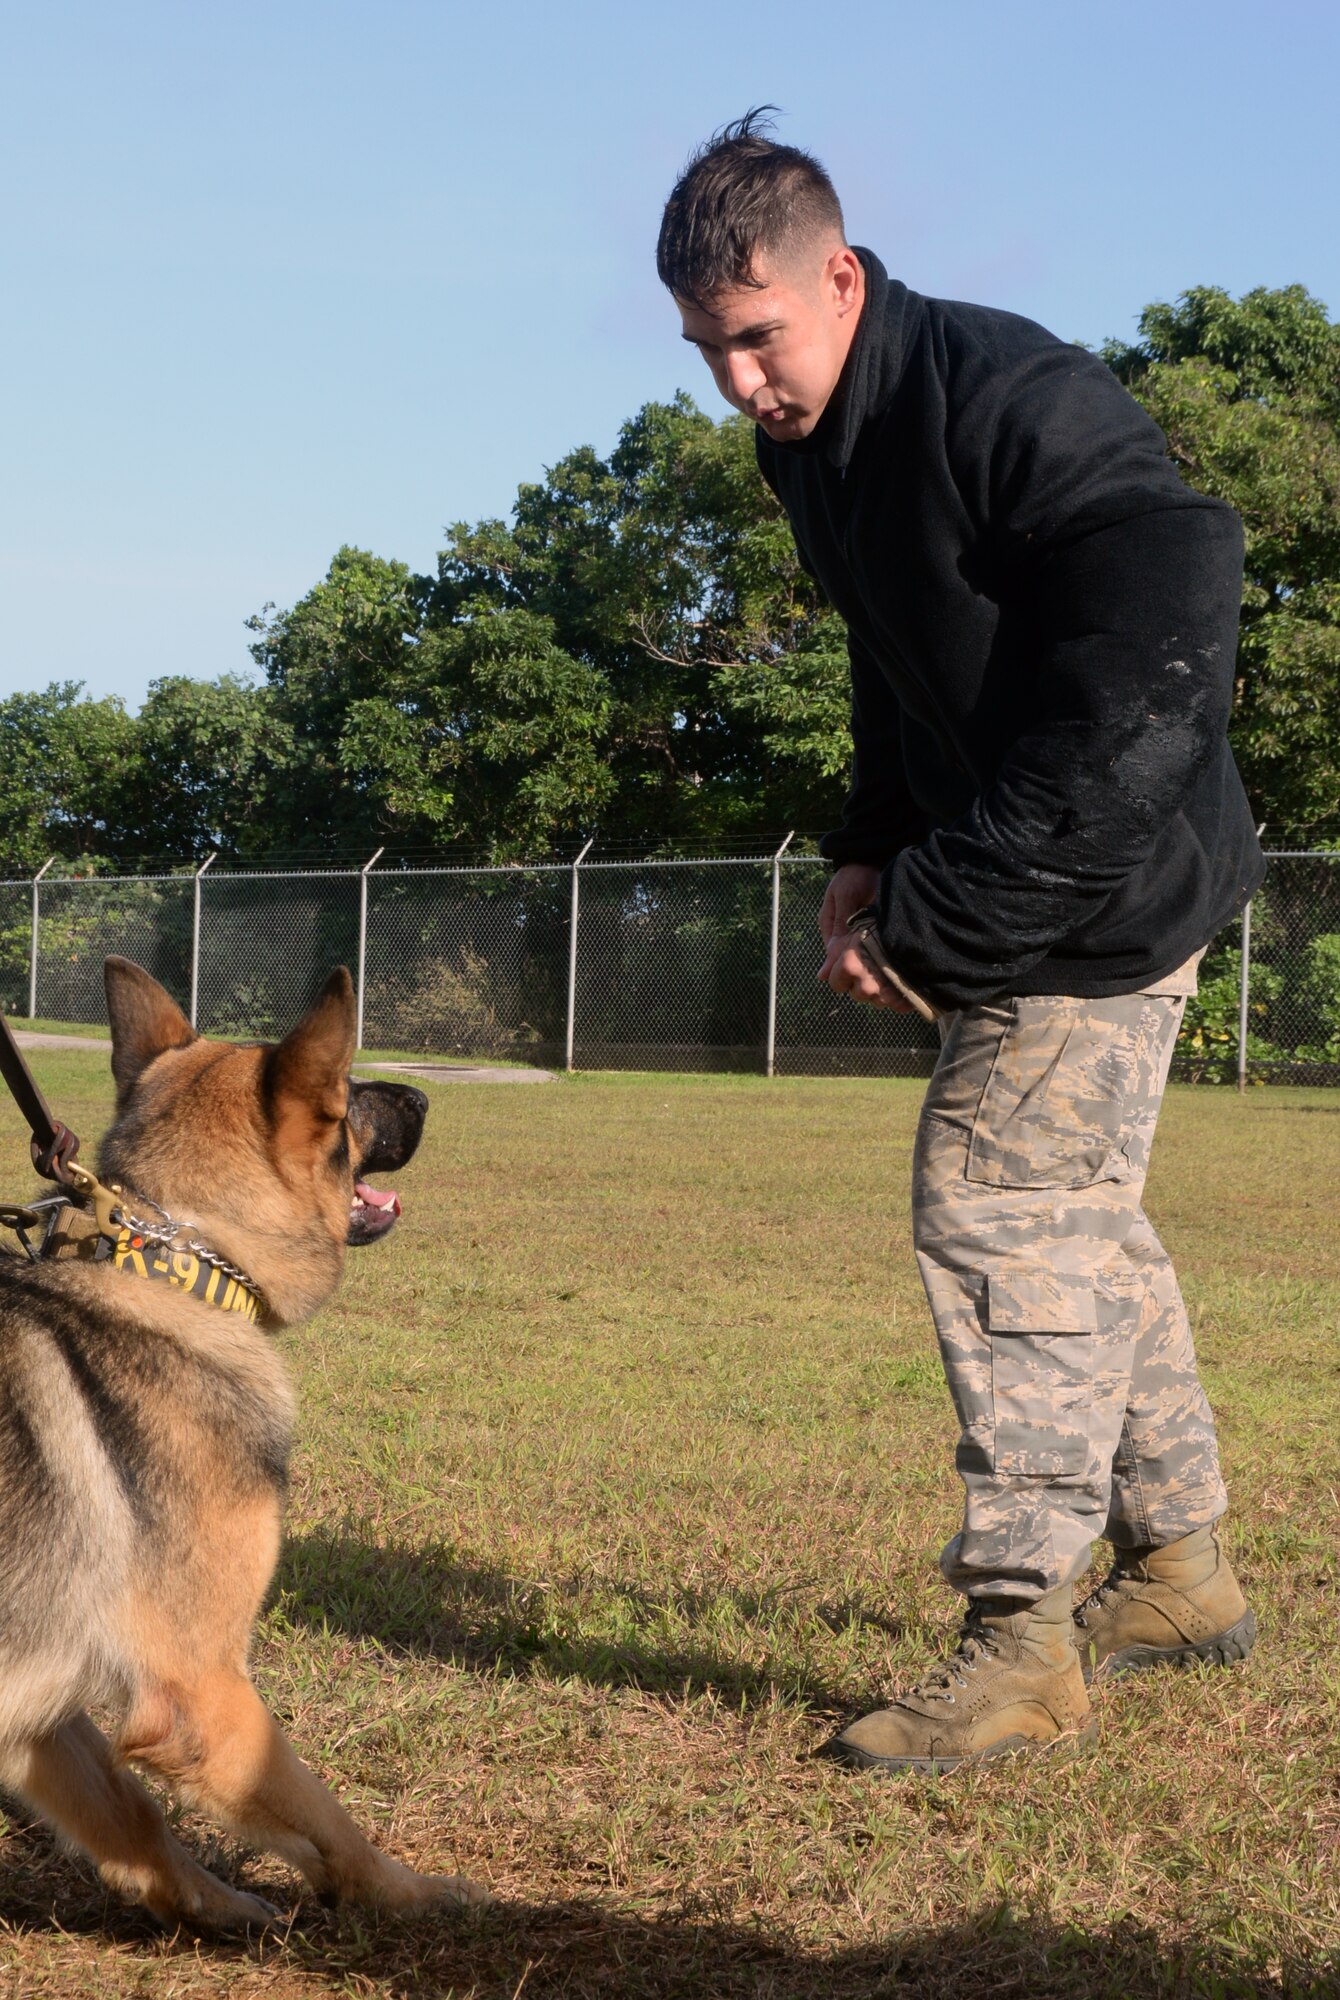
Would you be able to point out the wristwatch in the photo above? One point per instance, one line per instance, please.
(863, 929)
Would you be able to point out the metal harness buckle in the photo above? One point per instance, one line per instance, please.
(21, 1217)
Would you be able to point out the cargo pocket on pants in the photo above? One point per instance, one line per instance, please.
(1041, 1325)
(1054, 1110)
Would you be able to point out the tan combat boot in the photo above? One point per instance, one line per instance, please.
(1014, 1684)
(1175, 1604)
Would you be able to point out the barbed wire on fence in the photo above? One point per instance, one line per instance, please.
(703, 962)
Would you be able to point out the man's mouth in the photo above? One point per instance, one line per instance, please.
(788, 418)
(371, 1213)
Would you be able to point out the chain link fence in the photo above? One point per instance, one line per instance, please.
(695, 964)
(1268, 1010)
(79, 921)
(16, 937)
(672, 966)
(467, 962)
(266, 943)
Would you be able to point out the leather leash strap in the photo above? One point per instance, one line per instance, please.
(55, 1146)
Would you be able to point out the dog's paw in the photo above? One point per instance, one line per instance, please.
(211, 1907)
(410, 1891)
(244, 1913)
(461, 1890)
(185, 1896)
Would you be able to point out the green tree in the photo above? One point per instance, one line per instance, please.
(82, 780)
(63, 765)
(208, 756)
(718, 605)
(430, 713)
(351, 639)
(1248, 393)
(638, 650)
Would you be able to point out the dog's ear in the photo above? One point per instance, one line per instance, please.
(144, 1020)
(311, 1064)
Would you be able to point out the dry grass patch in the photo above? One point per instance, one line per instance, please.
(622, 1473)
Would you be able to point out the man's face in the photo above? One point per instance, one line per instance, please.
(776, 349)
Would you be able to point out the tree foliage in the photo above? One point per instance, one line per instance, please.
(638, 651)
(86, 782)
(1248, 392)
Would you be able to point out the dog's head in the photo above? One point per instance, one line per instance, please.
(267, 1151)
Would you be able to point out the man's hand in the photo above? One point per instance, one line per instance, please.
(851, 889)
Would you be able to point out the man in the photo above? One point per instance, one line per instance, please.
(1047, 821)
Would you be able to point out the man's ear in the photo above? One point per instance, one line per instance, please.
(144, 1020)
(311, 1064)
(843, 280)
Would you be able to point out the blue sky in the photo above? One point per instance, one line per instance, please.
(288, 275)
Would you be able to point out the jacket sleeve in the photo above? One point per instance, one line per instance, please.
(1128, 585)
(878, 816)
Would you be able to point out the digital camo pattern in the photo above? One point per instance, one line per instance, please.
(1063, 1334)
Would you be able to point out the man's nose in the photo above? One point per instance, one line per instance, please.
(743, 375)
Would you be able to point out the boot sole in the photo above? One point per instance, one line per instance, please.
(1224, 1650)
(1075, 1743)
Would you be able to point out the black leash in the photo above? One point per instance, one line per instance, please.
(55, 1147)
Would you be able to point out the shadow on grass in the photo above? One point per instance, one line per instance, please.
(586, 1950)
(426, 1603)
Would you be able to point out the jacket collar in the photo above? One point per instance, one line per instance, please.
(872, 371)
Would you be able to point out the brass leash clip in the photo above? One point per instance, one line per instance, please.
(106, 1201)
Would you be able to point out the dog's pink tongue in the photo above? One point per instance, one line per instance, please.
(375, 1198)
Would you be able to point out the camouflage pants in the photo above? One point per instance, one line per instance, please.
(1063, 1334)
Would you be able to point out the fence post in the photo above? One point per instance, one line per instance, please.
(770, 1068)
(572, 957)
(368, 867)
(1244, 987)
(208, 862)
(1244, 982)
(32, 955)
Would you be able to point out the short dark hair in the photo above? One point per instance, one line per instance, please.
(739, 196)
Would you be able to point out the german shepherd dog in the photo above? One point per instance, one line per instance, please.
(144, 1431)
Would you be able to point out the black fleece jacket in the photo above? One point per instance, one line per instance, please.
(1042, 620)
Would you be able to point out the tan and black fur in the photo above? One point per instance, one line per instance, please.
(143, 1442)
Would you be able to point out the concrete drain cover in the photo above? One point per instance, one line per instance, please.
(459, 1072)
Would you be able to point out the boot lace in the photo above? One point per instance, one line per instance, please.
(1114, 1584)
(977, 1642)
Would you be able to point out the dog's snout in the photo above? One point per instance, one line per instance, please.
(387, 1122)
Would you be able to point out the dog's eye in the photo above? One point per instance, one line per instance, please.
(339, 1152)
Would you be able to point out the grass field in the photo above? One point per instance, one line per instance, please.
(621, 1475)
(97, 1032)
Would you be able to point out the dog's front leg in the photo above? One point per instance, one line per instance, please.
(223, 1750)
(70, 1779)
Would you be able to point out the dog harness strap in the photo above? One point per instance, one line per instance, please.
(23, 1216)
